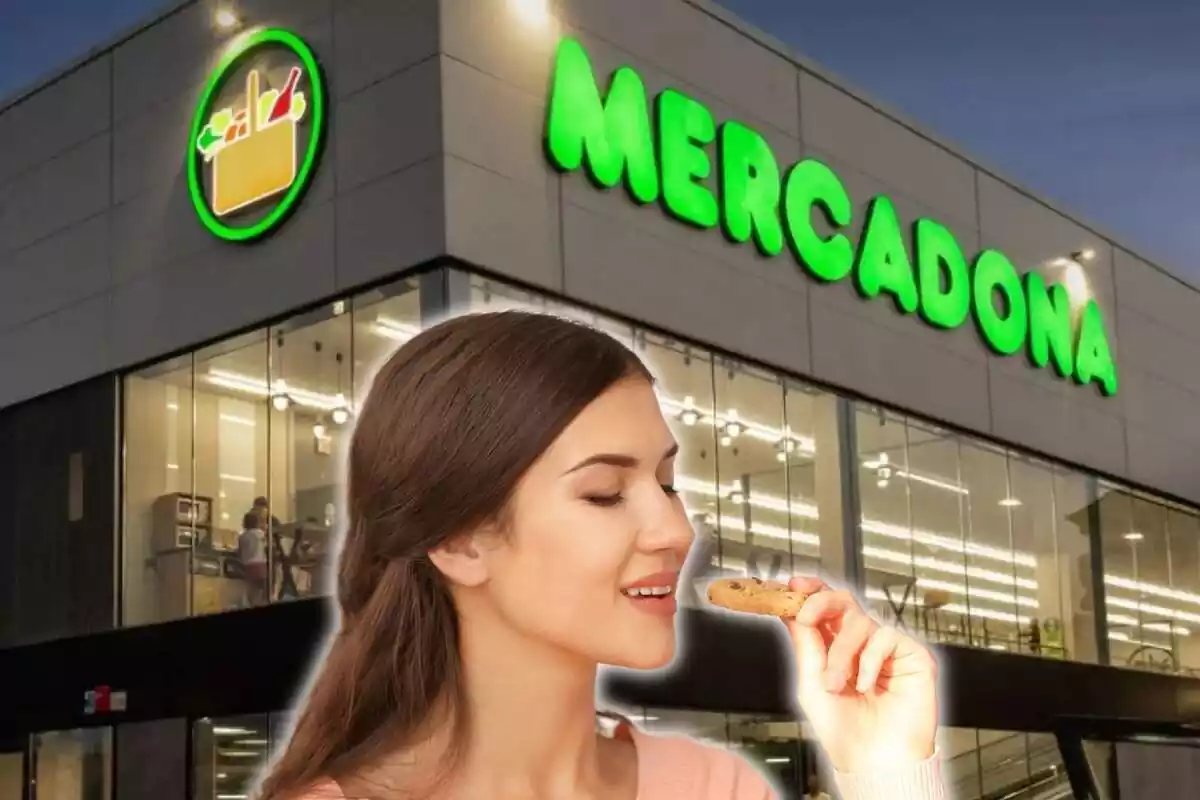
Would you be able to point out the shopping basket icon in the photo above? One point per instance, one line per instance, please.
(255, 157)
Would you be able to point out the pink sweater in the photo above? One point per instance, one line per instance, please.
(679, 768)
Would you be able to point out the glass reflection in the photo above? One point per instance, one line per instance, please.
(227, 755)
(1152, 582)
(971, 544)
(231, 496)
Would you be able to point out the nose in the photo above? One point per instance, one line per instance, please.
(668, 529)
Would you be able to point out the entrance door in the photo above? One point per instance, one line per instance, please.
(71, 765)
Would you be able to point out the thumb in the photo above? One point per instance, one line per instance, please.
(811, 656)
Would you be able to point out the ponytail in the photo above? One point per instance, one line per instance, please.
(392, 667)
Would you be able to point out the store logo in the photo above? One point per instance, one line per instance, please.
(257, 135)
(708, 175)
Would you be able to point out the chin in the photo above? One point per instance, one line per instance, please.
(648, 655)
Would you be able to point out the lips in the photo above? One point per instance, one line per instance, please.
(659, 584)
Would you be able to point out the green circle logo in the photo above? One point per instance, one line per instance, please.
(255, 142)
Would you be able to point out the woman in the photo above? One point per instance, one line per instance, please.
(512, 525)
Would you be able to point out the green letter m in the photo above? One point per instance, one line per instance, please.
(610, 136)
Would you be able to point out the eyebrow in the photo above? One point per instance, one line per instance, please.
(622, 460)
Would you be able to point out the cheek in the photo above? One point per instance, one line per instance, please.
(567, 563)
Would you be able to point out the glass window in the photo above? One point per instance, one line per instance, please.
(231, 493)
(309, 421)
(73, 765)
(228, 754)
(1152, 582)
(384, 319)
(159, 523)
(756, 455)
(967, 543)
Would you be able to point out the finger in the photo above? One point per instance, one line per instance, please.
(880, 648)
(807, 584)
(810, 655)
(826, 607)
(857, 629)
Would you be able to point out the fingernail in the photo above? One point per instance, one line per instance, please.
(835, 681)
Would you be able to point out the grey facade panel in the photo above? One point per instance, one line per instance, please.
(435, 148)
(63, 115)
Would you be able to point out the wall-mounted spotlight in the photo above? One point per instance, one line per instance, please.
(226, 19)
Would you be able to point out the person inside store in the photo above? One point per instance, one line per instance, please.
(269, 520)
(252, 552)
(513, 525)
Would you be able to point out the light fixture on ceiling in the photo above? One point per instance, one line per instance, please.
(341, 414)
(1010, 502)
(319, 429)
(689, 415)
(280, 399)
(883, 471)
(733, 428)
(737, 496)
(1134, 536)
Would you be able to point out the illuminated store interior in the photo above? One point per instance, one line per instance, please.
(961, 540)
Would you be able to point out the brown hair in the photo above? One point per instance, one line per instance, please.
(453, 420)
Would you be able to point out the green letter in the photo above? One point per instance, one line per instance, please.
(882, 264)
(994, 273)
(610, 136)
(750, 188)
(684, 128)
(1049, 324)
(1093, 358)
(808, 185)
(942, 274)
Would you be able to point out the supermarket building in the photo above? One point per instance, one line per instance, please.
(883, 360)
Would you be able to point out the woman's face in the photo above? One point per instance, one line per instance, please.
(590, 561)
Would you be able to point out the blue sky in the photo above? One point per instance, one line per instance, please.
(1092, 103)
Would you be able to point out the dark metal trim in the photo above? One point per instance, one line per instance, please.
(855, 572)
(1096, 548)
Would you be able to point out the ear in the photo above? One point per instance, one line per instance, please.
(461, 559)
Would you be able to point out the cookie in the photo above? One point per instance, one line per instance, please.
(755, 596)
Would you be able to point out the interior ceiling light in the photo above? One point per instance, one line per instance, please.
(341, 414)
(733, 427)
(688, 415)
(319, 430)
(1134, 536)
(1010, 502)
(744, 427)
(280, 398)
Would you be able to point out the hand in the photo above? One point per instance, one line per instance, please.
(869, 692)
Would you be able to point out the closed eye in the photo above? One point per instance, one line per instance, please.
(669, 489)
(605, 500)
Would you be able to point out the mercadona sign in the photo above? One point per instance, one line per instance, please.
(668, 154)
